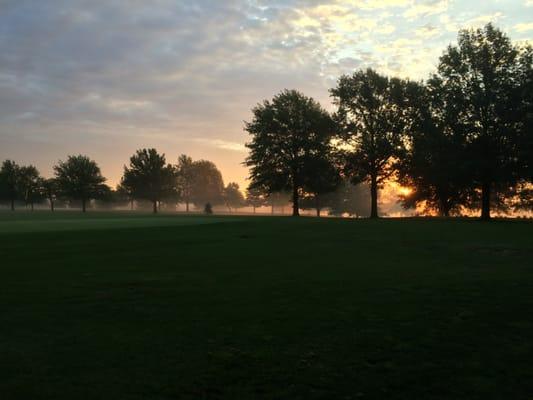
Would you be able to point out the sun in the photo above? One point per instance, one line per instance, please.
(404, 190)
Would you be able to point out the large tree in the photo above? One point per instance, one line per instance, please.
(371, 121)
(288, 134)
(208, 186)
(79, 178)
(149, 177)
(434, 159)
(484, 71)
(10, 182)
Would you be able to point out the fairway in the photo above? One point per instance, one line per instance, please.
(135, 306)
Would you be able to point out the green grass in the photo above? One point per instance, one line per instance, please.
(127, 306)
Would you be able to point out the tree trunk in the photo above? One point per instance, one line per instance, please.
(12, 204)
(374, 197)
(131, 204)
(187, 205)
(295, 202)
(52, 205)
(154, 208)
(272, 209)
(485, 201)
(254, 209)
(83, 201)
(318, 212)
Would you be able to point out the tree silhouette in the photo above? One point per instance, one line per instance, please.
(186, 174)
(30, 183)
(79, 178)
(233, 196)
(288, 133)
(371, 122)
(483, 71)
(149, 177)
(428, 163)
(324, 178)
(9, 182)
(256, 197)
(50, 191)
(207, 184)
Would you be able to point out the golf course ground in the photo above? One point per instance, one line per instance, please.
(125, 305)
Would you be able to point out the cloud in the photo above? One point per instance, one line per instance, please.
(523, 27)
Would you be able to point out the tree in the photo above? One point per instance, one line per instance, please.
(149, 177)
(256, 197)
(288, 134)
(185, 174)
(371, 122)
(30, 183)
(208, 186)
(50, 191)
(9, 182)
(125, 193)
(484, 71)
(350, 199)
(233, 196)
(324, 179)
(79, 178)
(434, 161)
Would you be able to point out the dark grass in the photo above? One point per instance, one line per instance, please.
(144, 307)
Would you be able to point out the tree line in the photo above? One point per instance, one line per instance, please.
(460, 140)
(147, 178)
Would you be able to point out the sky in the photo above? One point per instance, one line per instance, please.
(103, 78)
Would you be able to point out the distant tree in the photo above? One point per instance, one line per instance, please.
(233, 196)
(186, 178)
(9, 182)
(278, 200)
(371, 122)
(434, 160)
(30, 182)
(149, 177)
(124, 193)
(79, 178)
(353, 200)
(208, 209)
(288, 133)
(484, 72)
(50, 191)
(208, 186)
(256, 197)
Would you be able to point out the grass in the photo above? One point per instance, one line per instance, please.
(132, 306)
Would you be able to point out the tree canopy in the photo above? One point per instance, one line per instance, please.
(79, 178)
(289, 134)
(149, 177)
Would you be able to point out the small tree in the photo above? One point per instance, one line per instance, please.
(79, 178)
(30, 183)
(324, 179)
(50, 191)
(9, 182)
(186, 175)
(233, 196)
(149, 177)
